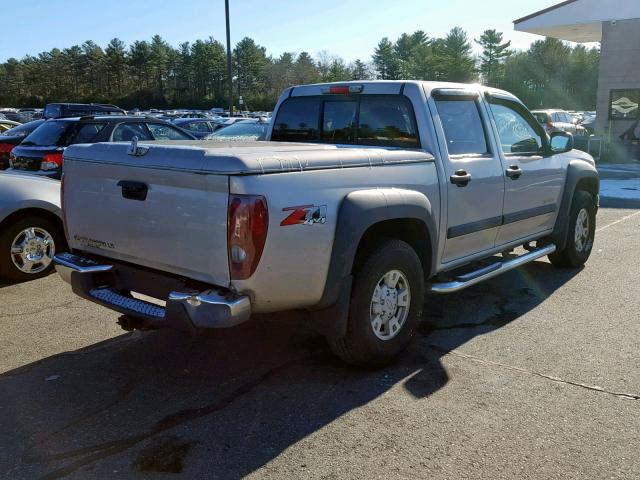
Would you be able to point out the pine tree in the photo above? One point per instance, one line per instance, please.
(305, 70)
(494, 53)
(359, 70)
(455, 57)
(385, 61)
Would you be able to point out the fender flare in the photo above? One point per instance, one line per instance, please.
(360, 210)
(577, 170)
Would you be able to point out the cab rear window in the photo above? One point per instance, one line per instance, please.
(373, 120)
(297, 120)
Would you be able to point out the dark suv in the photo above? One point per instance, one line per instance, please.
(41, 151)
(64, 110)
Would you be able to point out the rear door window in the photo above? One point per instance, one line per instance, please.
(126, 131)
(87, 132)
(463, 126)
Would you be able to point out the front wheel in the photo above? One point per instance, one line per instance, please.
(580, 235)
(386, 306)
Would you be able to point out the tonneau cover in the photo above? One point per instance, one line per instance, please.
(242, 158)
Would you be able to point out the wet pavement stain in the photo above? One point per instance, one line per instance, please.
(165, 455)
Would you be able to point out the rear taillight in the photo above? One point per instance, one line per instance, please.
(5, 148)
(246, 234)
(51, 161)
(550, 126)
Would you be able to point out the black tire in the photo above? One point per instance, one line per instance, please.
(572, 256)
(361, 346)
(8, 270)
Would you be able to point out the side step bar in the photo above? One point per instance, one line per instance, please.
(493, 270)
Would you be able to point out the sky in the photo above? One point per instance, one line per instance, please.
(348, 28)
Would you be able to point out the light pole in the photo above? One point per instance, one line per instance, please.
(229, 75)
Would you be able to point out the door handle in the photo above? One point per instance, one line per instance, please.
(460, 178)
(514, 172)
(134, 190)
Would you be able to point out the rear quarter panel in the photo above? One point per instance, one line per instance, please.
(20, 192)
(294, 265)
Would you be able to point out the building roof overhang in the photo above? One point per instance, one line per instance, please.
(577, 20)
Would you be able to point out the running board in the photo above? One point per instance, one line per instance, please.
(493, 270)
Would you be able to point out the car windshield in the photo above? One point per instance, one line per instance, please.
(241, 131)
(49, 133)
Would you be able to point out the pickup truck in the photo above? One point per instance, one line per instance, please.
(366, 197)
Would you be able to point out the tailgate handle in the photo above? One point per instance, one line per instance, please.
(134, 190)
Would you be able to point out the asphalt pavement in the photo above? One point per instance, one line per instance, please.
(531, 375)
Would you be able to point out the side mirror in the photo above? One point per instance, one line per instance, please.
(561, 142)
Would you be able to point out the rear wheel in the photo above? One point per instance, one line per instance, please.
(386, 306)
(27, 247)
(581, 233)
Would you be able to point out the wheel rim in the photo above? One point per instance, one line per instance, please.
(582, 230)
(390, 304)
(32, 250)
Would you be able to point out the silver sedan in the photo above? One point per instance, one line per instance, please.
(30, 226)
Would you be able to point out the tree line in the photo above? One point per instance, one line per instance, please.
(152, 73)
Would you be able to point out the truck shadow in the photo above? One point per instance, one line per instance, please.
(224, 404)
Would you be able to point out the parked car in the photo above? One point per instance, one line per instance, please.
(222, 122)
(30, 114)
(64, 110)
(247, 130)
(13, 137)
(198, 127)
(391, 189)
(589, 124)
(7, 125)
(41, 151)
(14, 115)
(30, 226)
(193, 115)
(558, 121)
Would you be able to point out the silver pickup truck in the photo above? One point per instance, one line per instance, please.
(368, 196)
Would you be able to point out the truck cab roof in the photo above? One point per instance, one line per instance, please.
(388, 87)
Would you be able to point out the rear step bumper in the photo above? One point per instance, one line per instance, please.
(184, 310)
(490, 271)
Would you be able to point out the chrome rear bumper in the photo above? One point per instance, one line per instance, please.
(185, 309)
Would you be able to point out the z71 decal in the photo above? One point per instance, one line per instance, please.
(305, 215)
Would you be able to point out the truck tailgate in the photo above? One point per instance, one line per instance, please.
(179, 227)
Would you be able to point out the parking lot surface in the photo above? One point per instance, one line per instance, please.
(533, 374)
